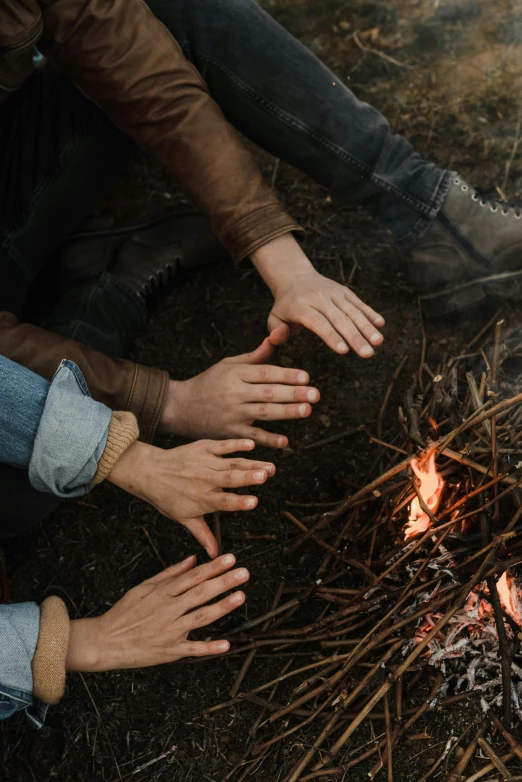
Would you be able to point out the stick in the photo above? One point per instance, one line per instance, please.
(465, 760)
(388, 394)
(505, 652)
(494, 758)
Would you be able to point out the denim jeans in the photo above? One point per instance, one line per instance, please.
(59, 153)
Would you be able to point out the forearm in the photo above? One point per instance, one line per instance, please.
(124, 59)
(117, 383)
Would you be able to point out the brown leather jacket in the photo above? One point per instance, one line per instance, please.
(125, 60)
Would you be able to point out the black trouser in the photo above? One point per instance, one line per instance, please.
(59, 152)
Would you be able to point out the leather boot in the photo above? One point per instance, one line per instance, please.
(149, 259)
(472, 251)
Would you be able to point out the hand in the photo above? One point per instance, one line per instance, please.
(151, 623)
(303, 297)
(225, 400)
(186, 482)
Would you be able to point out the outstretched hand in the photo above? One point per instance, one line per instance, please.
(303, 298)
(151, 623)
(187, 482)
(226, 399)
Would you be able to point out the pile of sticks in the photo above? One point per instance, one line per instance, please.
(366, 667)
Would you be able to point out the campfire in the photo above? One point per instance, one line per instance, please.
(419, 590)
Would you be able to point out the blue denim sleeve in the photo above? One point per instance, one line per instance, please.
(23, 396)
(19, 628)
(71, 436)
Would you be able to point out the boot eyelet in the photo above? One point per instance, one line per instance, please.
(504, 213)
(518, 216)
(483, 205)
(474, 197)
(494, 209)
(457, 181)
(464, 188)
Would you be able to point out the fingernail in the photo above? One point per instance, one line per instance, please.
(250, 503)
(260, 475)
(342, 346)
(376, 337)
(223, 646)
(302, 410)
(236, 598)
(228, 559)
(187, 559)
(248, 443)
(366, 350)
(379, 321)
(302, 377)
(241, 574)
(311, 396)
(281, 442)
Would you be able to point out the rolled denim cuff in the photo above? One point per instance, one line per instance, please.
(71, 436)
(19, 631)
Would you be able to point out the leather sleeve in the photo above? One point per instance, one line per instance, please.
(123, 58)
(119, 384)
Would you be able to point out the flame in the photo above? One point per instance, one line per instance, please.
(509, 597)
(430, 485)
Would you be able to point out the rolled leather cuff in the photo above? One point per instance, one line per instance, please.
(146, 399)
(48, 665)
(257, 229)
(123, 432)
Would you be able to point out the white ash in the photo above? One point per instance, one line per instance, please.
(466, 651)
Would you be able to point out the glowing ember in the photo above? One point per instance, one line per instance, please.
(430, 485)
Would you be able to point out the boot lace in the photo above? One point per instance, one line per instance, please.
(488, 198)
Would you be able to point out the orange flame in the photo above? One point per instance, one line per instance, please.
(430, 485)
(509, 597)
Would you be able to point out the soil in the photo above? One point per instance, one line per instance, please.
(453, 91)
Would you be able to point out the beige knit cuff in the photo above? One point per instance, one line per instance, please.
(123, 432)
(48, 663)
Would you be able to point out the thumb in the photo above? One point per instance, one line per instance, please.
(258, 356)
(279, 330)
(201, 531)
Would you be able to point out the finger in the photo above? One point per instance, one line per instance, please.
(206, 615)
(200, 574)
(273, 412)
(221, 447)
(201, 531)
(207, 591)
(267, 373)
(234, 502)
(258, 356)
(370, 336)
(201, 648)
(344, 321)
(283, 394)
(234, 479)
(375, 317)
(244, 464)
(268, 439)
(320, 325)
(173, 571)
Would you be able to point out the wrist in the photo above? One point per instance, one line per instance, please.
(172, 413)
(280, 259)
(86, 651)
(127, 473)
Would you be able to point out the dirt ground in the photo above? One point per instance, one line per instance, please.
(452, 86)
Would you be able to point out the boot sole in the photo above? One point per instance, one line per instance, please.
(471, 294)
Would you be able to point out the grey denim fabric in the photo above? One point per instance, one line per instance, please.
(71, 436)
(19, 629)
